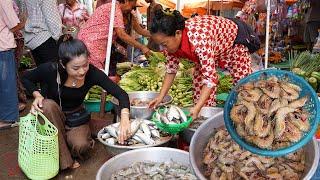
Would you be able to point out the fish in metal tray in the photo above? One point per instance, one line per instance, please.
(143, 132)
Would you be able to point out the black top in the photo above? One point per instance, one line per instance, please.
(72, 98)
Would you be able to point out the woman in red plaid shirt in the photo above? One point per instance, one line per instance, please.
(208, 41)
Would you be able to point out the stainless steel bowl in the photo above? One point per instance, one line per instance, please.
(206, 130)
(142, 112)
(208, 112)
(118, 149)
(155, 154)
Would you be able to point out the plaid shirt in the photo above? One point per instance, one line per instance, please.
(43, 22)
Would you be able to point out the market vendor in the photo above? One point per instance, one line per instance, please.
(208, 41)
(95, 32)
(73, 15)
(69, 80)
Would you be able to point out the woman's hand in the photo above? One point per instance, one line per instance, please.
(37, 104)
(194, 112)
(125, 128)
(146, 51)
(155, 102)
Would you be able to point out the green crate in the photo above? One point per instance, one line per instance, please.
(94, 106)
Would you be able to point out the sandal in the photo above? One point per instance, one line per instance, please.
(75, 165)
(7, 125)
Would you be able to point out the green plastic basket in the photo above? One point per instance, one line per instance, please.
(172, 128)
(94, 105)
(38, 153)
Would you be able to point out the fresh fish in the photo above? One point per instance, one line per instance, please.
(145, 138)
(134, 126)
(112, 131)
(135, 137)
(173, 113)
(105, 136)
(155, 133)
(182, 115)
(110, 141)
(145, 129)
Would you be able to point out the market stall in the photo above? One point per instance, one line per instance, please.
(262, 127)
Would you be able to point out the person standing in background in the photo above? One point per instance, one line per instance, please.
(43, 28)
(88, 4)
(73, 15)
(9, 23)
(19, 53)
(312, 23)
(150, 15)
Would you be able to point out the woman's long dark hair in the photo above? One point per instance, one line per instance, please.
(69, 48)
(167, 22)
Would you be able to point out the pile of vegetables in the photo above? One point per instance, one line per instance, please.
(307, 65)
(124, 67)
(94, 94)
(151, 78)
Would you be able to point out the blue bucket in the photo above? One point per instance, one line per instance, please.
(312, 106)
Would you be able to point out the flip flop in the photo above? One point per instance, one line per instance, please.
(4, 125)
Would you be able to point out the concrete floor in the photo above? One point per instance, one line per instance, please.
(9, 168)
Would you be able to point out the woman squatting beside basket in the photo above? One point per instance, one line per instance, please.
(69, 80)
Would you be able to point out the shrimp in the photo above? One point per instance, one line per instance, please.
(264, 103)
(299, 102)
(272, 88)
(293, 133)
(280, 120)
(240, 130)
(275, 176)
(252, 95)
(272, 170)
(237, 113)
(262, 126)
(265, 142)
(300, 121)
(248, 121)
(297, 166)
(295, 156)
(247, 86)
(225, 158)
(293, 86)
(276, 104)
(256, 161)
(288, 93)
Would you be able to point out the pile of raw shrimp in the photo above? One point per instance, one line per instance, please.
(270, 114)
(225, 159)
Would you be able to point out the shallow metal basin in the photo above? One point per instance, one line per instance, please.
(141, 112)
(154, 154)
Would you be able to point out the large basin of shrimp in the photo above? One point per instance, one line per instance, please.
(208, 130)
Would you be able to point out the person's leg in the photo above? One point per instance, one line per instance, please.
(9, 112)
(79, 140)
(46, 52)
(52, 111)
